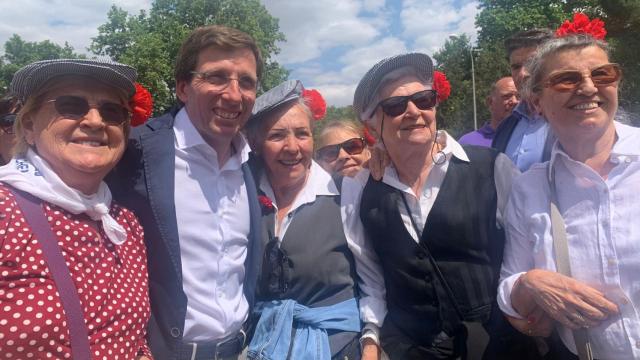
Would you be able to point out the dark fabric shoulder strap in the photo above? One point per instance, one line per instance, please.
(504, 131)
(78, 333)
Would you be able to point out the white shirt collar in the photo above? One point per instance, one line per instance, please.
(187, 136)
(450, 147)
(319, 183)
(625, 147)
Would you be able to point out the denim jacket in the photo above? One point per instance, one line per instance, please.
(279, 318)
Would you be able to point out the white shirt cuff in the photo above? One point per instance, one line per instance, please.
(371, 331)
(504, 295)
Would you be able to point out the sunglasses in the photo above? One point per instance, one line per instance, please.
(6, 123)
(397, 105)
(569, 80)
(76, 107)
(329, 153)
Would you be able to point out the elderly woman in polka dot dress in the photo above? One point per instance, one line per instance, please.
(73, 281)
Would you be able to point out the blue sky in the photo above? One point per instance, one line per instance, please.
(330, 43)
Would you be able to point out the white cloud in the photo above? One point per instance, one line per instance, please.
(429, 23)
(312, 27)
(467, 24)
(338, 87)
(73, 21)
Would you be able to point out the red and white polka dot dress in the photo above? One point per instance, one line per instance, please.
(111, 280)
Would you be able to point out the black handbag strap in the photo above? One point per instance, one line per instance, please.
(78, 334)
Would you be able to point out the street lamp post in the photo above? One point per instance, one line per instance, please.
(473, 81)
(473, 88)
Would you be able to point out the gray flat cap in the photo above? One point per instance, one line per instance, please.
(28, 80)
(272, 99)
(368, 86)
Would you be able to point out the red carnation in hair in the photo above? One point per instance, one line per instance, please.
(441, 85)
(141, 105)
(582, 25)
(368, 138)
(315, 102)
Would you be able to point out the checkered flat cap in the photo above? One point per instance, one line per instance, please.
(272, 99)
(28, 80)
(370, 83)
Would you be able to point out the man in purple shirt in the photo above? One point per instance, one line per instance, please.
(501, 100)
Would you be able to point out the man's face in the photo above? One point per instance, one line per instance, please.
(502, 100)
(220, 95)
(517, 59)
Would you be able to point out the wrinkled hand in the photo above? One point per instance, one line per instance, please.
(566, 300)
(370, 350)
(378, 162)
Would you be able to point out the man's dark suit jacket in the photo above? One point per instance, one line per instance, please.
(143, 181)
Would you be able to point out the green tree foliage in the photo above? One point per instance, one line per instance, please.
(456, 113)
(18, 53)
(623, 20)
(345, 113)
(150, 41)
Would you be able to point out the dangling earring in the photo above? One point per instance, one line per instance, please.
(441, 156)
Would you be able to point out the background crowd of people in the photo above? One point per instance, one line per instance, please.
(224, 230)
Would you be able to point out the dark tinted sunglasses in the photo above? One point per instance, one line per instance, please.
(565, 81)
(76, 107)
(329, 153)
(397, 105)
(6, 123)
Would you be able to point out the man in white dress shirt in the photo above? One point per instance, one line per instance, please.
(185, 175)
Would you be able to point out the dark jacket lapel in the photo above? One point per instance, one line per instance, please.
(159, 167)
(253, 263)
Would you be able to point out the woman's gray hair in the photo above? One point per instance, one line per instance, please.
(536, 65)
(390, 78)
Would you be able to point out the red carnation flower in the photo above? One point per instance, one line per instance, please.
(582, 25)
(141, 105)
(368, 138)
(441, 85)
(315, 102)
(266, 203)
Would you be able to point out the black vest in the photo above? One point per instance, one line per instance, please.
(463, 238)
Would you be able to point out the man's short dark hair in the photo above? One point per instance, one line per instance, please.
(527, 38)
(215, 36)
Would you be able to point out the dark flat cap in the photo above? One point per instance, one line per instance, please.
(272, 99)
(368, 86)
(28, 80)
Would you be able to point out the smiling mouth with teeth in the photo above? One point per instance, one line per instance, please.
(88, 143)
(586, 106)
(290, 162)
(227, 115)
